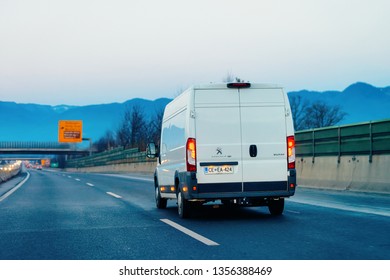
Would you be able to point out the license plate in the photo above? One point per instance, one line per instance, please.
(224, 169)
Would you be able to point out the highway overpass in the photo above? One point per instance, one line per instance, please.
(41, 148)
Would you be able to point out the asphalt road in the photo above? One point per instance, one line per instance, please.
(61, 216)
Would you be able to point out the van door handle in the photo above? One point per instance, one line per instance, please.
(253, 150)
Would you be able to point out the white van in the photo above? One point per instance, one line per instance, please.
(230, 142)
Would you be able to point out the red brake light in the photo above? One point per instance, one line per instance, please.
(291, 152)
(239, 85)
(191, 154)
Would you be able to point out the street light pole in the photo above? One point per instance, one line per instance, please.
(90, 144)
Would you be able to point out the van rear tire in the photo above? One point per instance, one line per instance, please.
(276, 206)
(183, 206)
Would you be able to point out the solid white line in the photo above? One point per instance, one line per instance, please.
(113, 194)
(15, 188)
(91, 185)
(190, 233)
(294, 212)
(334, 205)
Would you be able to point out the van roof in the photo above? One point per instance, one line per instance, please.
(224, 86)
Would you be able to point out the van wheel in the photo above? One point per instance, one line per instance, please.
(183, 206)
(161, 203)
(276, 207)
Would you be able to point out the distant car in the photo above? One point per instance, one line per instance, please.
(39, 167)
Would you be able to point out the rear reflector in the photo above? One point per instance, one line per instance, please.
(239, 85)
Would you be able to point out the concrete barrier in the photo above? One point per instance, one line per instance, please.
(354, 173)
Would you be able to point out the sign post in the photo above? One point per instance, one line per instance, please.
(70, 131)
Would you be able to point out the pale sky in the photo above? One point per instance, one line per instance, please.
(81, 52)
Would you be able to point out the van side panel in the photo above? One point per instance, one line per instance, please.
(173, 139)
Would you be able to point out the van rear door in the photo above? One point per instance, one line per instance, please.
(264, 148)
(241, 139)
(218, 140)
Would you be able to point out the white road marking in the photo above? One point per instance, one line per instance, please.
(130, 177)
(69, 177)
(78, 179)
(360, 209)
(294, 212)
(190, 233)
(91, 185)
(7, 194)
(113, 194)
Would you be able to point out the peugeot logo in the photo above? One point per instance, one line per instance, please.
(219, 151)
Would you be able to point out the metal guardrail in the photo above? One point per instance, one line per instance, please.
(115, 156)
(370, 138)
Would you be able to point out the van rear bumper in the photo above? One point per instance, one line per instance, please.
(234, 195)
(233, 190)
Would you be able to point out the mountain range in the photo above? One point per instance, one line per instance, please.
(361, 102)
(33, 122)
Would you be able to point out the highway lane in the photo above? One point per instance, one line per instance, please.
(59, 215)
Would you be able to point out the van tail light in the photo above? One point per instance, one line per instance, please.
(291, 152)
(191, 154)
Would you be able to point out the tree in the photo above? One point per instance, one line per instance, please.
(123, 134)
(154, 127)
(106, 142)
(228, 78)
(318, 114)
(132, 131)
(298, 110)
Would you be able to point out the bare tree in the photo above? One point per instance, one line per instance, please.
(228, 78)
(320, 114)
(298, 110)
(138, 128)
(308, 115)
(154, 127)
(123, 134)
(132, 130)
(106, 142)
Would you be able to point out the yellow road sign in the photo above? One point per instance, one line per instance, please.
(70, 131)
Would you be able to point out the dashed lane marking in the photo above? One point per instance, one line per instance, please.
(113, 194)
(89, 184)
(190, 233)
